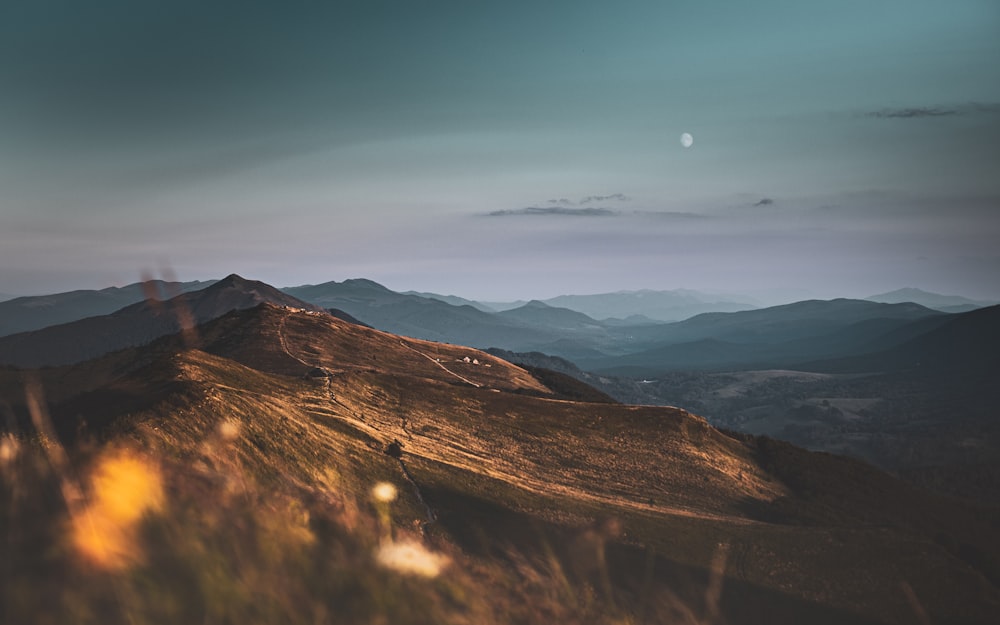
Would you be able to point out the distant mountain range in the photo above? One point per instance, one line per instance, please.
(22, 314)
(649, 305)
(454, 300)
(963, 345)
(138, 324)
(419, 316)
(944, 303)
(778, 336)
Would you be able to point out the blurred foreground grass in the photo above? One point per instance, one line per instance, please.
(119, 535)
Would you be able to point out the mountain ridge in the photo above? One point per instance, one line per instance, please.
(138, 323)
(34, 312)
(496, 472)
(937, 301)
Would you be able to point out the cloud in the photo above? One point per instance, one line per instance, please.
(909, 113)
(673, 214)
(618, 197)
(614, 197)
(913, 112)
(555, 210)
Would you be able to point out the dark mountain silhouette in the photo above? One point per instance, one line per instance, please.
(789, 321)
(138, 324)
(23, 314)
(779, 337)
(965, 345)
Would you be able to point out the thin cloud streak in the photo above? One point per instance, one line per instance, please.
(910, 113)
(917, 112)
(617, 197)
(554, 210)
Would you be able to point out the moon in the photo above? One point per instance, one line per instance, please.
(687, 140)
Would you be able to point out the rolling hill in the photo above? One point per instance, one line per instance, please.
(768, 338)
(23, 314)
(425, 318)
(137, 324)
(541, 315)
(655, 306)
(258, 452)
(944, 303)
(965, 345)
(636, 345)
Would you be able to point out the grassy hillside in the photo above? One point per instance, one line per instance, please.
(244, 482)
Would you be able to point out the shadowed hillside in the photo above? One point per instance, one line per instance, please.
(23, 314)
(138, 324)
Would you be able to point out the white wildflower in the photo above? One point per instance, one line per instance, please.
(410, 558)
(384, 492)
(229, 430)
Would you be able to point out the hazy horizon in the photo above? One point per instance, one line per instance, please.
(504, 151)
(762, 298)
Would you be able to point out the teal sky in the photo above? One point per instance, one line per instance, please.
(500, 150)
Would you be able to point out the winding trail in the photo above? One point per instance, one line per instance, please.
(431, 517)
(284, 343)
(466, 380)
(456, 456)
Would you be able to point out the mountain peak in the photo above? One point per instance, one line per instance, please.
(236, 292)
(536, 304)
(236, 281)
(140, 323)
(233, 278)
(364, 283)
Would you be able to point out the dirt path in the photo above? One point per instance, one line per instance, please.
(431, 517)
(476, 464)
(438, 363)
(284, 344)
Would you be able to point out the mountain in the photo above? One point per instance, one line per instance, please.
(672, 305)
(6, 296)
(422, 317)
(454, 300)
(776, 337)
(965, 346)
(296, 466)
(791, 333)
(501, 306)
(138, 323)
(540, 314)
(945, 303)
(23, 314)
(790, 321)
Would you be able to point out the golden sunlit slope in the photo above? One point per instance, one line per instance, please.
(292, 342)
(512, 505)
